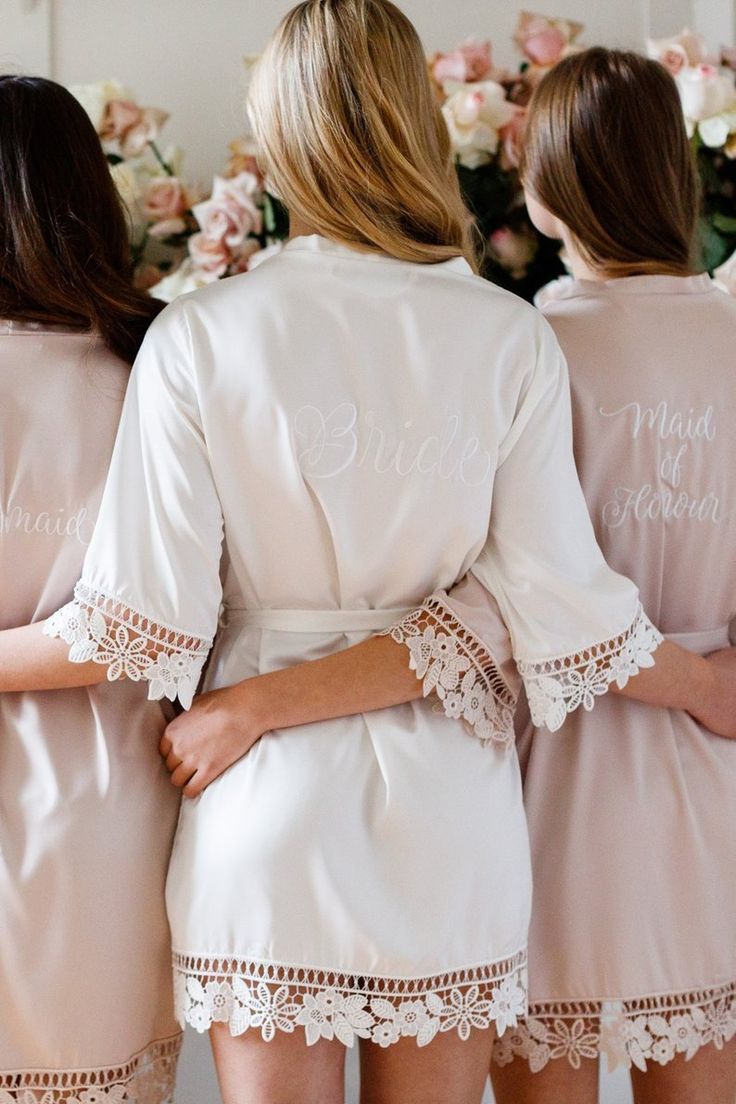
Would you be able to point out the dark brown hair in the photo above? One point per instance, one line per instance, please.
(606, 152)
(64, 244)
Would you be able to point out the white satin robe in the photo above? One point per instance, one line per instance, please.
(315, 447)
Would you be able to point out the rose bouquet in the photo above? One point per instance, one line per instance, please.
(183, 239)
(484, 108)
(179, 238)
(708, 93)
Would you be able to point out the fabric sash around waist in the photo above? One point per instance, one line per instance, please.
(703, 642)
(314, 621)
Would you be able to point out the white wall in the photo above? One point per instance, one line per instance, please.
(186, 56)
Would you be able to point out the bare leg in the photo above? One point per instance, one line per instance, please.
(447, 1071)
(708, 1078)
(557, 1083)
(284, 1071)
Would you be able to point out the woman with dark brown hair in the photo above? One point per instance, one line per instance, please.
(86, 812)
(632, 951)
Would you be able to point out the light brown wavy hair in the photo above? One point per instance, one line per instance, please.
(351, 136)
(606, 152)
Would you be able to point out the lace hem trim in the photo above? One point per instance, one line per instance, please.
(101, 628)
(250, 994)
(146, 1078)
(454, 663)
(556, 687)
(628, 1033)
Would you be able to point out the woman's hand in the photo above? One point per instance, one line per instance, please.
(223, 725)
(217, 731)
(718, 709)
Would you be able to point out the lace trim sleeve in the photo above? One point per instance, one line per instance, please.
(101, 628)
(558, 686)
(454, 663)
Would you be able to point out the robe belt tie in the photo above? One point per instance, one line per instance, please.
(315, 621)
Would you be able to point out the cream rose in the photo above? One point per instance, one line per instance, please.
(706, 92)
(94, 98)
(127, 184)
(185, 279)
(475, 114)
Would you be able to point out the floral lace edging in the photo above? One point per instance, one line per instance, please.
(556, 687)
(250, 994)
(146, 1078)
(103, 629)
(628, 1033)
(454, 663)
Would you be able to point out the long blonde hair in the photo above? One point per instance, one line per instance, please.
(351, 136)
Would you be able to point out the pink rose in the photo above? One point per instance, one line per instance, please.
(132, 126)
(211, 256)
(231, 214)
(242, 257)
(244, 158)
(681, 51)
(164, 198)
(514, 250)
(470, 62)
(512, 136)
(545, 41)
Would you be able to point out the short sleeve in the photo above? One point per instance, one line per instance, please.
(148, 601)
(539, 594)
(576, 626)
(460, 648)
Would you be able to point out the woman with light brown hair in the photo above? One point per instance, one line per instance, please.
(306, 452)
(632, 949)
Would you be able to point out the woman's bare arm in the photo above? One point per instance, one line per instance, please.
(31, 661)
(223, 725)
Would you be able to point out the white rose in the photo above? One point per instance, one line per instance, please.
(705, 91)
(475, 113)
(184, 279)
(94, 98)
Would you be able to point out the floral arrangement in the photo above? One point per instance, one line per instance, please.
(183, 239)
(708, 93)
(485, 109)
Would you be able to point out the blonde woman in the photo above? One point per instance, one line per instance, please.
(315, 447)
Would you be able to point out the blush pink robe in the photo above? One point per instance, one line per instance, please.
(86, 810)
(631, 809)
